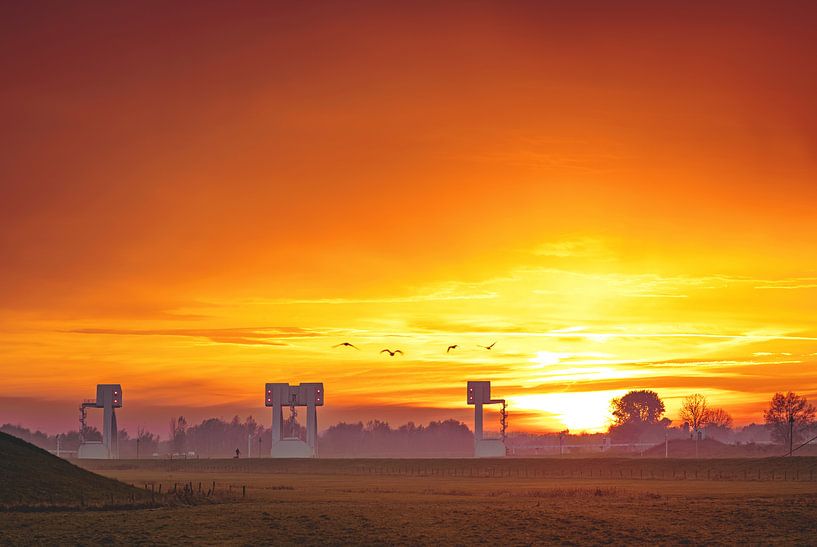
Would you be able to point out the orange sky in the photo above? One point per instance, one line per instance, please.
(199, 199)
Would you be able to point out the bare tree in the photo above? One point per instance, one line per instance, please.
(695, 411)
(718, 417)
(148, 442)
(789, 416)
(178, 434)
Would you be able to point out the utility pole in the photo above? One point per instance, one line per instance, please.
(137, 448)
(666, 444)
(791, 434)
(249, 445)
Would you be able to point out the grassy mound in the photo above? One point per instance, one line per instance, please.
(31, 476)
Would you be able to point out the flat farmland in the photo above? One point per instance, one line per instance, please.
(457, 502)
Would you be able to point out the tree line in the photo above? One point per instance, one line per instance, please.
(217, 438)
(637, 417)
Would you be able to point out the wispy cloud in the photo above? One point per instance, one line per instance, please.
(264, 336)
(788, 284)
(442, 296)
(576, 248)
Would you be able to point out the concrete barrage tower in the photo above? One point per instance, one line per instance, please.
(108, 398)
(479, 393)
(278, 396)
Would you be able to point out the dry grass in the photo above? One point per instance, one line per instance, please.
(34, 480)
(450, 502)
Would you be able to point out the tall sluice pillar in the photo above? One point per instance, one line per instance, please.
(108, 398)
(278, 396)
(479, 394)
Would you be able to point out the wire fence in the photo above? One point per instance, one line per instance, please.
(767, 469)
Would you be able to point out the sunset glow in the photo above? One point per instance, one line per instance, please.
(627, 206)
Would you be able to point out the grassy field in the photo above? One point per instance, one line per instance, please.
(505, 502)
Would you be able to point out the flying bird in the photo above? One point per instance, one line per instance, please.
(347, 344)
(451, 347)
(488, 347)
(390, 352)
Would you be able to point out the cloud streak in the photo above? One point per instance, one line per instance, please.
(262, 336)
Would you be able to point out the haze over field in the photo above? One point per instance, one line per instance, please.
(196, 202)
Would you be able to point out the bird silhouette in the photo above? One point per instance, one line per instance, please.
(347, 344)
(390, 352)
(451, 347)
(488, 347)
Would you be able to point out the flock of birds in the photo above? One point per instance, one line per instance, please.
(393, 352)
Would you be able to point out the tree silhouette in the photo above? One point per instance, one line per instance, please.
(91, 433)
(378, 439)
(178, 434)
(217, 438)
(789, 413)
(638, 414)
(720, 418)
(695, 411)
(148, 442)
(643, 406)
